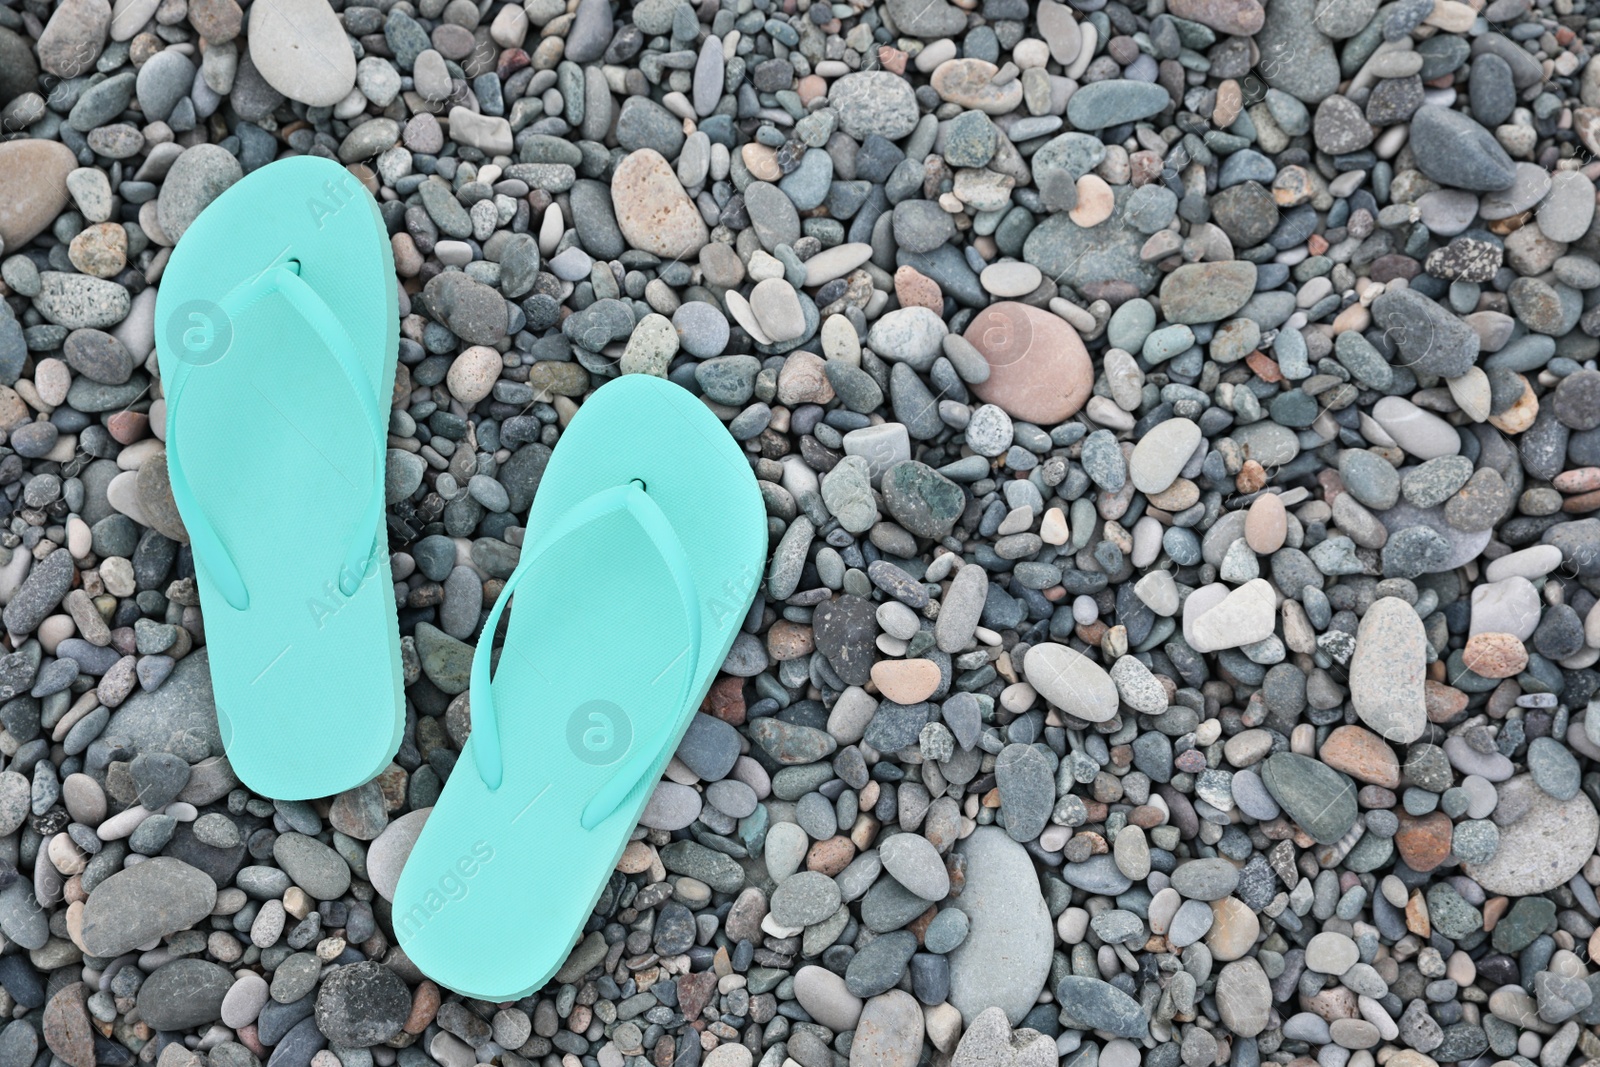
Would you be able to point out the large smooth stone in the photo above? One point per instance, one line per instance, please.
(1071, 681)
(653, 211)
(1543, 841)
(1388, 670)
(300, 48)
(33, 188)
(1005, 960)
(1316, 796)
(1039, 370)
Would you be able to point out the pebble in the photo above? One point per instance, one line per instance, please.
(826, 999)
(1038, 369)
(1207, 292)
(1231, 618)
(1321, 800)
(1244, 997)
(652, 209)
(1005, 959)
(1454, 150)
(1113, 102)
(1071, 681)
(1344, 440)
(874, 103)
(1099, 1005)
(1161, 454)
(362, 1004)
(198, 176)
(1387, 671)
(33, 190)
(300, 51)
(1553, 839)
(889, 1031)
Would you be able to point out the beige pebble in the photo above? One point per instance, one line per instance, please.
(1452, 16)
(906, 681)
(65, 855)
(1030, 52)
(1010, 278)
(1266, 524)
(1234, 929)
(473, 374)
(296, 902)
(1230, 101)
(79, 537)
(1520, 415)
(1354, 317)
(636, 858)
(54, 630)
(100, 250)
(1053, 529)
(761, 161)
(653, 211)
(52, 379)
(1095, 201)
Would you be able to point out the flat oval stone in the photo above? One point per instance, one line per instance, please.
(183, 993)
(1544, 841)
(1207, 292)
(1205, 879)
(1421, 433)
(1388, 670)
(916, 864)
(1160, 455)
(1102, 1006)
(1236, 18)
(826, 999)
(1316, 796)
(805, 898)
(653, 211)
(299, 47)
(1115, 101)
(1027, 790)
(1039, 370)
(1244, 997)
(143, 903)
(1005, 958)
(889, 1032)
(1071, 681)
(33, 188)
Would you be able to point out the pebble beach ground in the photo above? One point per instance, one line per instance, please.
(1179, 427)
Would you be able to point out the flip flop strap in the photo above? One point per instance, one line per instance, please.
(283, 279)
(632, 499)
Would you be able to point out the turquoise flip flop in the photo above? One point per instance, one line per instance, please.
(276, 333)
(645, 546)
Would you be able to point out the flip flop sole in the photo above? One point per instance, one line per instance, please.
(599, 669)
(281, 466)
